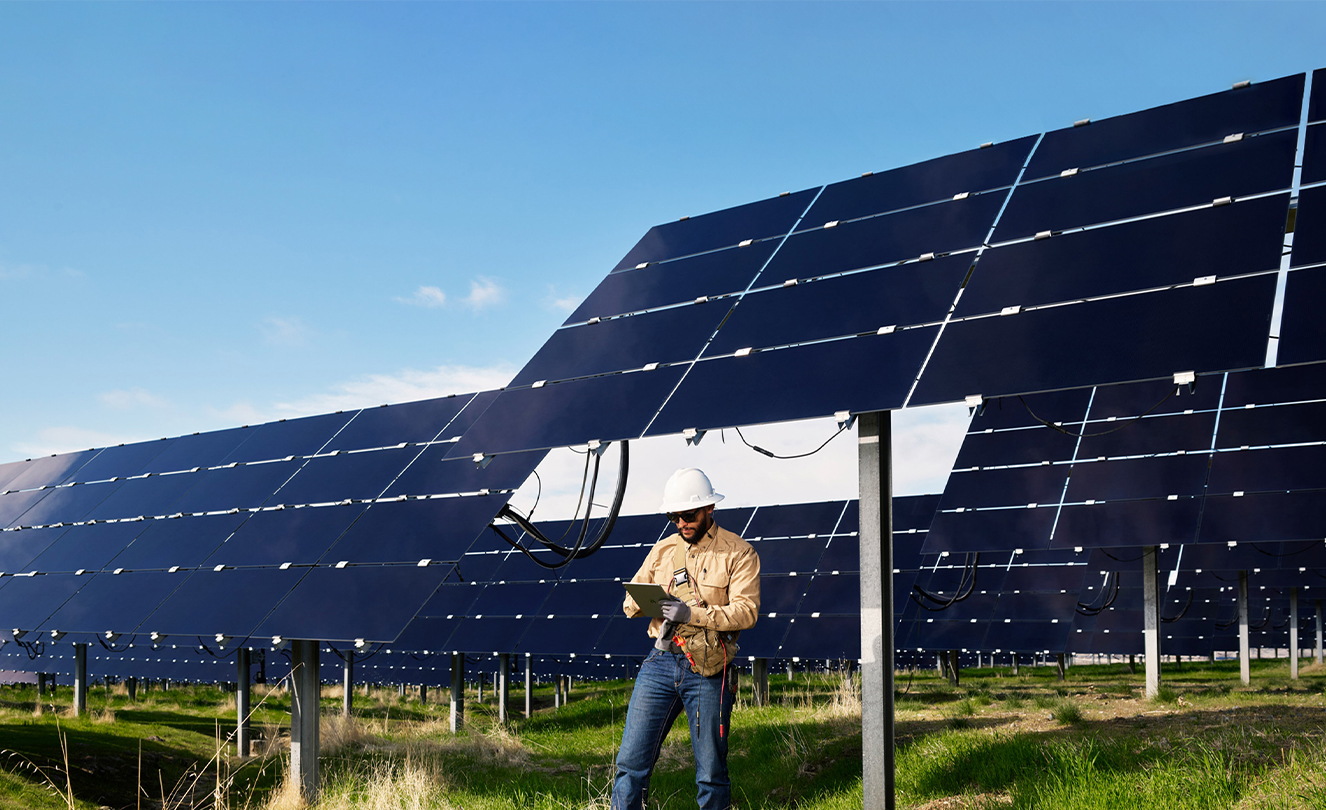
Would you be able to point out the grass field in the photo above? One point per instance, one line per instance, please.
(998, 741)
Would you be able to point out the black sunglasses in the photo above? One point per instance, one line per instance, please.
(688, 517)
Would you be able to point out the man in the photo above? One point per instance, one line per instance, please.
(713, 577)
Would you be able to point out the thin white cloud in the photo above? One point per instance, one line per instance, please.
(484, 292)
(565, 304)
(129, 399)
(425, 296)
(285, 332)
(67, 439)
(13, 272)
(403, 386)
(238, 413)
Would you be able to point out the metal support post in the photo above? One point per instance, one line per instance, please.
(875, 482)
(1015, 664)
(529, 686)
(457, 692)
(41, 685)
(1059, 665)
(1245, 665)
(348, 684)
(423, 693)
(790, 675)
(242, 709)
(132, 685)
(1318, 631)
(503, 686)
(306, 688)
(1293, 633)
(1151, 619)
(759, 669)
(80, 679)
(954, 668)
(557, 691)
(483, 677)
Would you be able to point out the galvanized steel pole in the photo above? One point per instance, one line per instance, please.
(875, 480)
(242, 742)
(1245, 666)
(1151, 619)
(306, 688)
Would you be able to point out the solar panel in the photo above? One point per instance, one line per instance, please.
(1309, 224)
(794, 555)
(185, 542)
(1317, 104)
(764, 640)
(434, 474)
(990, 530)
(122, 460)
(388, 425)
(1286, 424)
(1263, 516)
(1033, 446)
(935, 229)
(289, 437)
(721, 272)
(1005, 487)
(832, 595)
(1210, 241)
(1221, 325)
(563, 636)
(285, 536)
(233, 602)
(1128, 523)
(67, 504)
(914, 293)
(373, 602)
(45, 472)
(828, 378)
(87, 547)
(975, 170)
(512, 599)
(567, 413)
(835, 638)
(1302, 332)
(436, 529)
(1138, 478)
(791, 520)
(779, 593)
(18, 548)
(1314, 155)
(1255, 108)
(1166, 183)
(112, 602)
(357, 476)
(243, 487)
(731, 226)
(198, 450)
(25, 601)
(1283, 468)
(155, 495)
(584, 599)
(489, 634)
(15, 504)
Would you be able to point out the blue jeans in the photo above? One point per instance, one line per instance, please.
(664, 687)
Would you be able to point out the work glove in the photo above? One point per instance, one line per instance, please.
(664, 641)
(675, 610)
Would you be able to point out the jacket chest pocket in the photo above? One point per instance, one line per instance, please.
(713, 581)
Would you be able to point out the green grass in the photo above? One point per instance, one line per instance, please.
(1001, 741)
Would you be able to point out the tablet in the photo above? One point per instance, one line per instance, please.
(647, 595)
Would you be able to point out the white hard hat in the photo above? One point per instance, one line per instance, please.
(688, 489)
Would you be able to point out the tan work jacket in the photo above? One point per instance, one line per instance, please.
(724, 573)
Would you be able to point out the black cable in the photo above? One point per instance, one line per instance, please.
(34, 649)
(772, 454)
(1128, 423)
(109, 648)
(958, 595)
(1182, 613)
(1308, 547)
(1266, 619)
(1119, 559)
(1088, 610)
(214, 655)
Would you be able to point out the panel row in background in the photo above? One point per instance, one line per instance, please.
(873, 266)
(1239, 458)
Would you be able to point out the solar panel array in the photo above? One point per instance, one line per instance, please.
(334, 527)
(947, 279)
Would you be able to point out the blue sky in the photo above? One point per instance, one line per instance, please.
(215, 214)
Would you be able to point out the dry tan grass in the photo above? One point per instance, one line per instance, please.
(103, 716)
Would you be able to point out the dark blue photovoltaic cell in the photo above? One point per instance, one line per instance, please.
(117, 603)
(198, 450)
(844, 305)
(909, 512)
(757, 220)
(1015, 447)
(1152, 434)
(844, 554)
(289, 437)
(832, 595)
(711, 274)
(928, 181)
(1031, 636)
(627, 637)
(666, 336)
(1156, 477)
(18, 548)
(512, 599)
(451, 599)
(432, 474)
(827, 637)
(87, 547)
(997, 529)
(1274, 385)
(938, 228)
(288, 535)
(243, 487)
(1264, 517)
(781, 594)
(1128, 523)
(783, 556)
(1152, 398)
(120, 461)
(185, 542)
(1218, 327)
(1229, 240)
(1251, 166)
(155, 495)
(564, 414)
(369, 602)
(1030, 606)
(68, 504)
(474, 409)
(764, 639)
(489, 634)
(1016, 486)
(232, 602)
(939, 634)
(1309, 229)
(1222, 557)
(1317, 104)
(1314, 155)
(479, 566)
(389, 425)
(563, 636)
(860, 374)
(1044, 575)
(13, 505)
(1262, 106)
(1282, 424)
(10, 471)
(48, 471)
(794, 520)
(1282, 468)
(409, 531)
(1055, 406)
(608, 563)
(598, 597)
(359, 476)
(1302, 329)
(25, 602)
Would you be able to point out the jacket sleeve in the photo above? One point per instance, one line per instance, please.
(743, 597)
